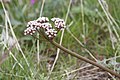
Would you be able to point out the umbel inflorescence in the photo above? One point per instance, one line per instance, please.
(42, 23)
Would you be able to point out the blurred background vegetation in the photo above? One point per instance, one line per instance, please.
(94, 35)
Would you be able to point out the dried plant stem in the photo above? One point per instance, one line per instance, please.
(14, 36)
(81, 45)
(105, 9)
(61, 39)
(6, 53)
(84, 59)
(38, 42)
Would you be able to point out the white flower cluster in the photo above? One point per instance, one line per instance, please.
(43, 22)
(59, 23)
(51, 33)
(31, 28)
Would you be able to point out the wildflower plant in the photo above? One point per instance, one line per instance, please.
(43, 26)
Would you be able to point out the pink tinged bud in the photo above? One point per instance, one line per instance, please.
(56, 23)
(38, 27)
(25, 33)
(51, 33)
(55, 34)
(31, 33)
(46, 19)
(49, 36)
(47, 33)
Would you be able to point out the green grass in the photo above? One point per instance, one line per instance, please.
(94, 35)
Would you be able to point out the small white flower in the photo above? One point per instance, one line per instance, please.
(49, 36)
(54, 19)
(32, 23)
(55, 34)
(25, 33)
(46, 25)
(59, 23)
(47, 33)
(51, 33)
(42, 20)
(31, 33)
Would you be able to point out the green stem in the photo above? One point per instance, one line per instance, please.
(84, 59)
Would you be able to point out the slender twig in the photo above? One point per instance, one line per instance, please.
(84, 30)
